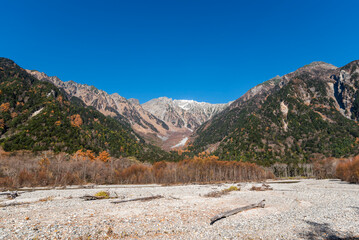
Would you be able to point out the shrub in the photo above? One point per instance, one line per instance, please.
(223, 192)
(349, 170)
(231, 188)
(103, 195)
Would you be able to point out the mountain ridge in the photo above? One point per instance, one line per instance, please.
(151, 126)
(109, 104)
(310, 113)
(38, 116)
(302, 115)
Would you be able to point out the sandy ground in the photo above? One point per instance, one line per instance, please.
(308, 209)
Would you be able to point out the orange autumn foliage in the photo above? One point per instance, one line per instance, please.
(103, 156)
(76, 120)
(5, 107)
(2, 124)
(84, 155)
(44, 162)
(14, 115)
(59, 99)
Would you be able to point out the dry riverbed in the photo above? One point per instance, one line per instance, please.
(308, 209)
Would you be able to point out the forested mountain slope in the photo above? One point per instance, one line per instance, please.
(36, 115)
(307, 114)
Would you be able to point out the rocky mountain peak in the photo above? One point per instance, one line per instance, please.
(320, 64)
(134, 101)
(5, 62)
(188, 114)
(316, 68)
(351, 67)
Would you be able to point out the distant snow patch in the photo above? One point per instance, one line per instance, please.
(181, 143)
(185, 104)
(189, 129)
(163, 138)
(36, 112)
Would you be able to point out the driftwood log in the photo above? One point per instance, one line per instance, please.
(13, 204)
(235, 211)
(12, 195)
(139, 199)
(91, 198)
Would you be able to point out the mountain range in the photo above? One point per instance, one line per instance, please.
(162, 121)
(305, 115)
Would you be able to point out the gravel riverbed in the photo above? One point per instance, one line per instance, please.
(308, 209)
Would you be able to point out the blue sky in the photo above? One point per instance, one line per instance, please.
(206, 50)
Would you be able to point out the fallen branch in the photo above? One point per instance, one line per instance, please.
(91, 197)
(11, 195)
(139, 199)
(13, 204)
(235, 211)
(98, 196)
(172, 197)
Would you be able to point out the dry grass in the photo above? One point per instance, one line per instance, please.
(226, 191)
(50, 198)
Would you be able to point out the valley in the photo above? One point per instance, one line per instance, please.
(296, 116)
(179, 120)
(295, 121)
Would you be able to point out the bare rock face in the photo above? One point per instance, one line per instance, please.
(346, 89)
(183, 113)
(134, 101)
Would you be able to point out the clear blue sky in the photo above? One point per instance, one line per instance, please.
(204, 50)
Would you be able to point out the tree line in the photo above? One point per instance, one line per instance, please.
(85, 167)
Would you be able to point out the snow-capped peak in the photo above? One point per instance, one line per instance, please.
(184, 104)
(188, 114)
